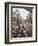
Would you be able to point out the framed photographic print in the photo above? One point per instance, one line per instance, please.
(20, 22)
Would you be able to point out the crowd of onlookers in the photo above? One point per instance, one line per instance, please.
(23, 30)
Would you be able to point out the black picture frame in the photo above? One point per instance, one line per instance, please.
(7, 22)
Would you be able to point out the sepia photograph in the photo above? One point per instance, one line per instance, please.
(20, 22)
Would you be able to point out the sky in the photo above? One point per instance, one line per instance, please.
(23, 12)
